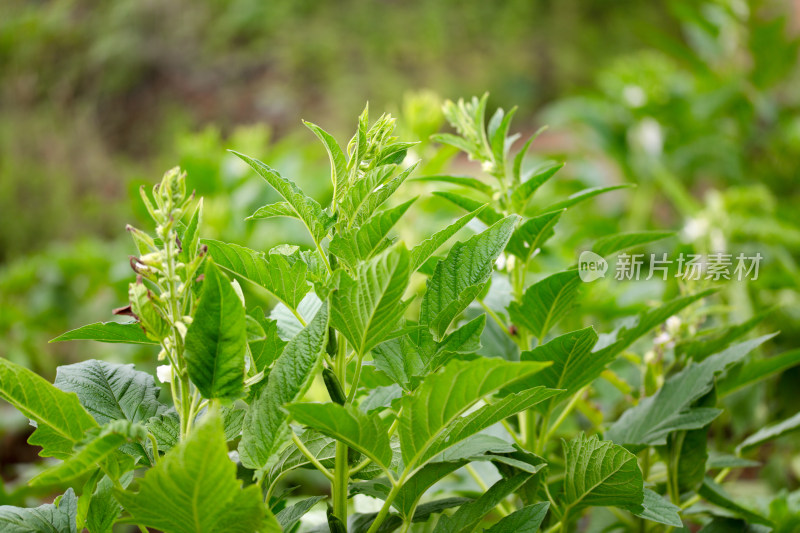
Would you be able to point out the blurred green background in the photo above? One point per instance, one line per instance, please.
(695, 102)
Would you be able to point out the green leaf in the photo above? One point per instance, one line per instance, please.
(453, 140)
(166, 428)
(336, 155)
(194, 489)
(60, 418)
(365, 241)
(111, 332)
(461, 181)
(670, 409)
(708, 342)
(278, 209)
(93, 453)
(657, 509)
(110, 391)
(771, 432)
(57, 517)
(190, 238)
(469, 515)
(321, 447)
(533, 234)
(574, 364)
(721, 524)
(526, 520)
(291, 515)
(217, 339)
(715, 494)
(366, 433)
(546, 302)
(622, 241)
(380, 398)
(265, 429)
(365, 310)
(282, 275)
(486, 214)
(523, 192)
(498, 135)
(362, 522)
(424, 250)
(583, 195)
(599, 474)
(308, 210)
(757, 370)
(520, 157)
(461, 276)
(445, 396)
(265, 351)
(376, 196)
(103, 508)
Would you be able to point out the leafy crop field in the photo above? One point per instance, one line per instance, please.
(352, 379)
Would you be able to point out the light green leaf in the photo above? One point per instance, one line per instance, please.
(111, 332)
(380, 398)
(486, 214)
(461, 276)
(61, 420)
(265, 351)
(520, 157)
(367, 309)
(498, 135)
(462, 181)
(413, 489)
(308, 210)
(265, 429)
(526, 520)
(771, 432)
(323, 449)
(445, 396)
(546, 302)
(282, 275)
(757, 370)
(336, 155)
(103, 508)
(194, 489)
(217, 338)
(366, 433)
(469, 515)
(278, 209)
(57, 517)
(424, 250)
(657, 509)
(574, 364)
(365, 241)
(523, 192)
(669, 409)
(713, 493)
(599, 474)
(579, 197)
(533, 234)
(622, 241)
(190, 238)
(93, 453)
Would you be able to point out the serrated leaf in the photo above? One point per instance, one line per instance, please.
(757, 370)
(60, 418)
(533, 234)
(265, 430)
(278, 209)
(525, 520)
(323, 449)
(111, 332)
(469, 515)
(283, 276)
(424, 250)
(461, 181)
(657, 509)
(669, 410)
(365, 241)
(194, 489)
(366, 309)
(546, 302)
(771, 432)
(103, 509)
(48, 518)
(291, 515)
(217, 339)
(288, 323)
(598, 474)
(376, 196)
(622, 241)
(445, 396)
(486, 214)
(366, 433)
(268, 349)
(308, 210)
(336, 156)
(525, 190)
(714, 493)
(166, 428)
(461, 276)
(583, 195)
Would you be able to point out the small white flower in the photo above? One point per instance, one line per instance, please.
(649, 136)
(695, 228)
(673, 324)
(164, 373)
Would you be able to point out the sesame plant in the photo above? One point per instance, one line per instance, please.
(417, 387)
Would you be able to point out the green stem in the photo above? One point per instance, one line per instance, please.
(501, 508)
(341, 467)
(672, 471)
(564, 413)
(310, 456)
(495, 317)
(386, 505)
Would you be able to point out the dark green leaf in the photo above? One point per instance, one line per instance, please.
(526, 520)
(48, 518)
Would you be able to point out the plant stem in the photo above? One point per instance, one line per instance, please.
(501, 508)
(387, 505)
(341, 467)
(564, 413)
(310, 456)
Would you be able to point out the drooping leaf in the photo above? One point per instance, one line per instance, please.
(445, 396)
(194, 489)
(379, 398)
(278, 209)
(771, 432)
(48, 518)
(533, 234)
(111, 332)
(366, 309)
(525, 520)
(60, 418)
(424, 250)
(714, 493)
(669, 410)
(308, 210)
(265, 430)
(546, 302)
(757, 370)
(461, 276)
(621, 241)
(657, 509)
(217, 338)
(366, 433)
(600, 473)
(486, 214)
